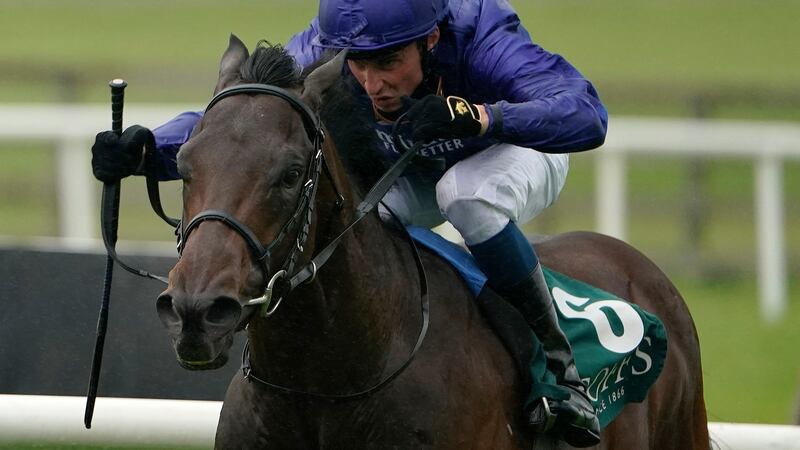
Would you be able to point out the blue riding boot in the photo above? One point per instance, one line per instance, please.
(514, 272)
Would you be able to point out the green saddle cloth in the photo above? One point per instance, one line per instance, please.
(619, 348)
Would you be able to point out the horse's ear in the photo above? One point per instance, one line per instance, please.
(322, 78)
(231, 61)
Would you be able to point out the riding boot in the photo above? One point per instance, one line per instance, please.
(575, 418)
(513, 271)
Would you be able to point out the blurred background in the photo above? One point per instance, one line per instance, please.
(730, 62)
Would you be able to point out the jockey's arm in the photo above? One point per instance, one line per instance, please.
(169, 138)
(536, 99)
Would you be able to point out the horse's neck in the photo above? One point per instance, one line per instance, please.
(340, 332)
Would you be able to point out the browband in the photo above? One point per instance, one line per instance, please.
(310, 120)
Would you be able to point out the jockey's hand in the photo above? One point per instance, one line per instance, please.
(434, 117)
(115, 157)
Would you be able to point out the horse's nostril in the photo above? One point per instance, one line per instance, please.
(167, 313)
(224, 311)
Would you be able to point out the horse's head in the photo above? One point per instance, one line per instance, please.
(246, 172)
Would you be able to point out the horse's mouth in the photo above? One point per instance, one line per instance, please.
(194, 353)
(215, 363)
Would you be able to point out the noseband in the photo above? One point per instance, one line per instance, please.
(302, 213)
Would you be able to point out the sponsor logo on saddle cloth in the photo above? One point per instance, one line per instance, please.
(619, 348)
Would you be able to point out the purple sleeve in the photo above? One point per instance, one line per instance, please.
(301, 48)
(169, 138)
(537, 99)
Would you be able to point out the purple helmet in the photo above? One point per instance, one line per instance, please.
(366, 25)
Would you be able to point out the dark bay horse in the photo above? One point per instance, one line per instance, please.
(355, 322)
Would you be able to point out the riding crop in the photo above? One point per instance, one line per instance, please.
(110, 220)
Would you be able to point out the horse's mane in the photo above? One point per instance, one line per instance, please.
(271, 64)
(350, 123)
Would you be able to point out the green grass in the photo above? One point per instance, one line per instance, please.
(27, 190)
(675, 41)
(168, 51)
(646, 57)
(751, 370)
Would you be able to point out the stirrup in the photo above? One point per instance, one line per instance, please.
(541, 419)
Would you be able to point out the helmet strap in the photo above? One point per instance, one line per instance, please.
(431, 84)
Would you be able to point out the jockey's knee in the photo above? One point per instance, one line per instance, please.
(472, 206)
(474, 219)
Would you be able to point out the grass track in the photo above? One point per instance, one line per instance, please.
(646, 57)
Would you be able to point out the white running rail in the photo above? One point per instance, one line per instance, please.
(37, 420)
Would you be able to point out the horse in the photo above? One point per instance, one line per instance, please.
(335, 362)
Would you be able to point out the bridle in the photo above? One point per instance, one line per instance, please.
(302, 215)
(303, 211)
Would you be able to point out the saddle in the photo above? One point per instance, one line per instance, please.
(619, 349)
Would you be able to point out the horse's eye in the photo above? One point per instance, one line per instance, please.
(291, 177)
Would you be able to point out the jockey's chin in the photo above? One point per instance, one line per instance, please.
(387, 103)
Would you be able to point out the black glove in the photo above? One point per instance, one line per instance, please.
(115, 157)
(435, 117)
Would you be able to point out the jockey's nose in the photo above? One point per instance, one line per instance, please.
(373, 82)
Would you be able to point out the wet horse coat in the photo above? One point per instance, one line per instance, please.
(358, 320)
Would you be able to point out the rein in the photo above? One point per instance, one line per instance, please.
(247, 370)
(303, 211)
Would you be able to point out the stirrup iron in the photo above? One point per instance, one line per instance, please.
(541, 418)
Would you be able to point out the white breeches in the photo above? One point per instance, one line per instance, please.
(479, 195)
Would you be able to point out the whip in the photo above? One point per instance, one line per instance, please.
(110, 220)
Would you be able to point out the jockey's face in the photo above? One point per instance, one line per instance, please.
(388, 77)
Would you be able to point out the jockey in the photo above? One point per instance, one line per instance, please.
(497, 112)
